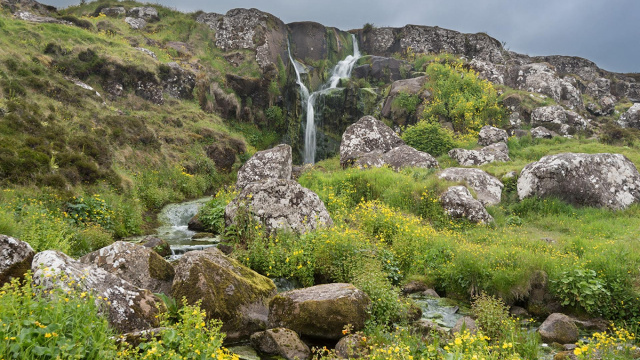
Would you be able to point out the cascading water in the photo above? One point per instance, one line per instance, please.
(342, 70)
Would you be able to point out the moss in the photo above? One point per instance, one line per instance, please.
(159, 268)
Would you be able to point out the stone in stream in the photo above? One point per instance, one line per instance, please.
(558, 328)
(282, 342)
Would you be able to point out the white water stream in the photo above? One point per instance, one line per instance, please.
(342, 70)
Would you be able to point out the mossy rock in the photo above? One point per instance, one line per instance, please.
(320, 311)
(229, 291)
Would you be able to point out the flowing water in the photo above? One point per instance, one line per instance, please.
(342, 70)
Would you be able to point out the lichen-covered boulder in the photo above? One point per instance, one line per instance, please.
(486, 155)
(320, 311)
(542, 78)
(558, 328)
(280, 204)
(353, 346)
(282, 342)
(488, 71)
(135, 23)
(631, 118)
(599, 180)
(15, 258)
(274, 163)
(364, 136)
(370, 160)
(137, 264)
(557, 117)
(487, 188)
(458, 203)
(229, 291)
(541, 132)
(405, 156)
(158, 245)
(144, 12)
(490, 135)
(114, 11)
(128, 308)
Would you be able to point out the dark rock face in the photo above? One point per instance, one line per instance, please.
(280, 204)
(490, 135)
(178, 82)
(365, 136)
(139, 265)
(458, 203)
(15, 258)
(558, 328)
(486, 155)
(114, 11)
(128, 309)
(229, 291)
(380, 68)
(631, 118)
(487, 188)
(600, 180)
(336, 304)
(406, 156)
(313, 41)
(274, 163)
(282, 342)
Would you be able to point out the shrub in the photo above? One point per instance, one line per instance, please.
(429, 137)
(275, 116)
(582, 288)
(407, 102)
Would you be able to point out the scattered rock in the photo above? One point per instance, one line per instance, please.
(144, 12)
(147, 51)
(229, 291)
(487, 188)
(274, 163)
(128, 308)
(631, 118)
(178, 82)
(158, 245)
(599, 180)
(135, 23)
(282, 342)
(352, 347)
(405, 156)
(366, 135)
(490, 135)
(558, 328)
(137, 264)
(486, 155)
(598, 324)
(27, 16)
(458, 203)
(336, 304)
(541, 132)
(15, 258)
(280, 204)
(467, 323)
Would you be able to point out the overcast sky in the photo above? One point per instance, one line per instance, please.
(604, 31)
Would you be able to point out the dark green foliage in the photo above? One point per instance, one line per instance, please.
(429, 137)
(407, 102)
(212, 215)
(613, 134)
(85, 24)
(275, 116)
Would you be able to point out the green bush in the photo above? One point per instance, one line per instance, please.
(275, 116)
(429, 137)
(582, 288)
(407, 102)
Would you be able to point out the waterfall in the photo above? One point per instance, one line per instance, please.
(342, 70)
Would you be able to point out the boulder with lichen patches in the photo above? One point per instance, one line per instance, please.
(15, 258)
(405, 156)
(282, 342)
(558, 328)
(364, 136)
(487, 188)
(490, 135)
(458, 203)
(274, 163)
(229, 291)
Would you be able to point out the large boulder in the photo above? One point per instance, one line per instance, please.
(364, 136)
(273, 163)
(128, 308)
(487, 188)
(600, 180)
(631, 118)
(490, 135)
(558, 328)
(320, 311)
(458, 203)
(280, 204)
(135, 23)
(282, 342)
(229, 291)
(15, 258)
(405, 156)
(486, 155)
(137, 264)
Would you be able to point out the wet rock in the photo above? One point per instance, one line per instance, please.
(158, 245)
(282, 342)
(274, 163)
(541, 132)
(487, 188)
(490, 135)
(336, 304)
(427, 327)
(280, 204)
(144, 12)
(135, 23)
(137, 264)
(229, 291)
(519, 312)
(128, 309)
(405, 156)
(631, 118)
(195, 224)
(366, 135)
(599, 180)
(352, 347)
(458, 203)
(486, 155)
(467, 323)
(15, 258)
(431, 293)
(414, 287)
(558, 328)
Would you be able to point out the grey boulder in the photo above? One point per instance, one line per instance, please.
(487, 188)
(490, 135)
(274, 163)
(558, 328)
(541, 132)
(405, 156)
(458, 203)
(15, 258)
(364, 136)
(486, 155)
(631, 118)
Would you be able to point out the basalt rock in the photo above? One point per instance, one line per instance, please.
(15, 258)
(541, 78)
(274, 163)
(366, 135)
(600, 180)
(541, 132)
(379, 68)
(458, 203)
(490, 135)
(178, 82)
(487, 188)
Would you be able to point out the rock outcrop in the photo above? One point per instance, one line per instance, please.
(337, 305)
(458, 203)
(139, 265)
(229, 291)
(15, 258)
(273, 163)
(631, 118)
(280, 204)
(366, 135)
(558, 328)
(487, 188)
(128, 307)
(282, 342)
(600, 180)
(565, 122)
(397, 113)
(541, 78)
(380, 68)
(490, 135)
